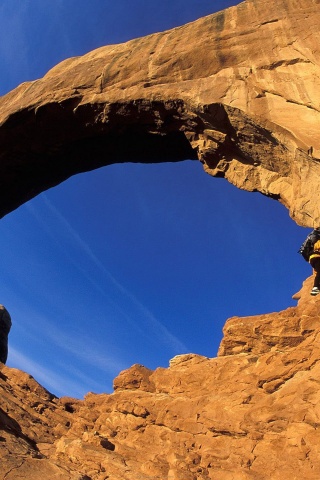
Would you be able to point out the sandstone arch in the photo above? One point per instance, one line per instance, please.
(237, 90)
(246, 105)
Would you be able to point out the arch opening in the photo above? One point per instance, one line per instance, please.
(134, 264)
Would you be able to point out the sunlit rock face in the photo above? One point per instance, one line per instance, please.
(238, 90)
(251, 413)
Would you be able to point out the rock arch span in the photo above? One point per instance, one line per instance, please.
(237, 90)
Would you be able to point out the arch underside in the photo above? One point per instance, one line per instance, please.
(59, 140)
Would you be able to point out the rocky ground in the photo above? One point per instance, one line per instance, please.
(251, 413)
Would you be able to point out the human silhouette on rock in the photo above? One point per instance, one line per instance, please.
(5, 326)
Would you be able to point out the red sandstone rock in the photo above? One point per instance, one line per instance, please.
(238, 90)
(224, 90)
(251, 413)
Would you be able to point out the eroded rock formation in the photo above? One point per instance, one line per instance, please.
(238, 90)
(251, 413)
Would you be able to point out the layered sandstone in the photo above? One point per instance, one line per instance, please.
(252, 413)
(238, 90)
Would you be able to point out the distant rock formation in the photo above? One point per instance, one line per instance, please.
(238, 90)
(251, 413)
(5, 326)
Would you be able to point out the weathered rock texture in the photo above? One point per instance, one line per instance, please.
(238, 90)
(252, 413)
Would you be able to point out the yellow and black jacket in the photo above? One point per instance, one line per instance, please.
(315, 253)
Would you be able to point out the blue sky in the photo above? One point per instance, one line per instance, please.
(130, 263)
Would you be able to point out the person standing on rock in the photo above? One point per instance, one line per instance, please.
(310, 250)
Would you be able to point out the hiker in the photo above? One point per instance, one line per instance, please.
(310, 250)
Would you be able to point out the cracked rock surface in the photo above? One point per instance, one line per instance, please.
(251, 413)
